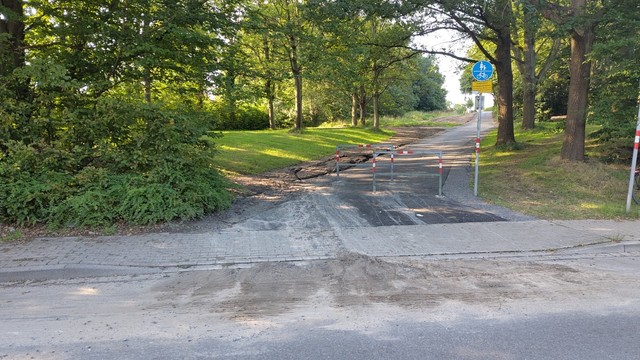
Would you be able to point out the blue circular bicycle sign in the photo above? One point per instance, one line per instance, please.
(482, 70)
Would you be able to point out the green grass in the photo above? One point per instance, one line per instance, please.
(412, 118)
(419, 118)
(534, 180)
(254, 152)
(10, 236)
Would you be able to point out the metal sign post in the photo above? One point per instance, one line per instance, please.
(634, 159)
(479, 106)
(482, 72)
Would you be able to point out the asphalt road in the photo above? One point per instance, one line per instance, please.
(559, 337)
(353, 308)
(405, 188)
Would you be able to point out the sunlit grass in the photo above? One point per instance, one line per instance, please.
(418, 118)
(535, 181)
(254, 152)
(412, 118)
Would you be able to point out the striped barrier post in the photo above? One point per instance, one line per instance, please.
(391, 166)
(475, 177)
(440, 174)
(373, 168)
(337, 162)
(634, 163)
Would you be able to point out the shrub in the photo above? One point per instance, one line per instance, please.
(154, 166)
(245, 117)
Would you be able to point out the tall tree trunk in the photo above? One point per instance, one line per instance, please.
(528, 61)
(505, 88)
(296, 71)
(362, 104)
(580, 69)
(200, 95)
(376, 95)
(13, 57)
(376, 116)
(354, 109)
(230, 94)
(297, 78)
(269, 86)
(270, 92)
(14, 27)
(529, 79)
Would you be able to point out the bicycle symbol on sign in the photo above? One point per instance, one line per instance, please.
(482, 70)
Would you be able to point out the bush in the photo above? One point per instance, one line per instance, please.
(154, 166)
(245, 117)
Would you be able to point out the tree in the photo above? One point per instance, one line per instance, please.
(12, 32)
(526, 54)
(108, 131)
(484, 22)
(364, 44)
(582, 36)
(388, 42)
(286, 23)
(428, 85)
(12, 46)
(582, 23)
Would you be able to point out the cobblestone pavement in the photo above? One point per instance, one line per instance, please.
(178, 251)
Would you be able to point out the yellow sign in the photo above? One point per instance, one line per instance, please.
(482, 86)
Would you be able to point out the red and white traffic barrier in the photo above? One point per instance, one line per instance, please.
(405, 152)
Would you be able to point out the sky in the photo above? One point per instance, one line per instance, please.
(450, 67)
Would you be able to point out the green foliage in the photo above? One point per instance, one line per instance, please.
(96, 198)
(460, 108)
(553, 93)
(136, 163)
(533, 180)
(27, 200)
(245, 117)
(428, 86)
(614, 95)
(167, 194)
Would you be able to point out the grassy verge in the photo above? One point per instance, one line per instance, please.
(535, 181)
(412, 118)
(419, 118)
(254, 152)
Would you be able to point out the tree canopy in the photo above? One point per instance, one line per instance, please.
(115, 104)
(109, 108)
